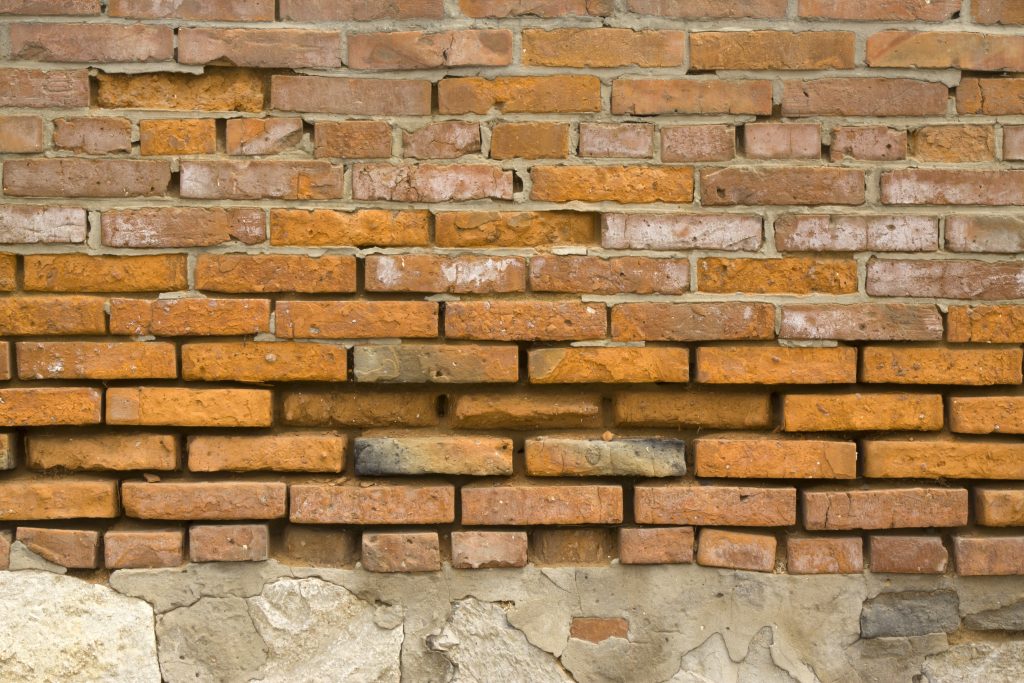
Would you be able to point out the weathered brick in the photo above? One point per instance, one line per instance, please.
(360, 96)
(82, 273)
(597, 629)
(177, 136)
(436, 363)
(715, 505)
(997, 12)
(143, 549)
(825, 555)
(455, 274)
(524, 320)
(213, 90)
(8, 454)
(538, 505)
(989, 556)
(780, 186)
(726, 232)
(530, 140)
(999, 506)
(401, 552)
(946, 279)
(95, 43)
(5, 373)
(39, 89)
(804, 232)
(900, 365)
(420, 50)
(880, 10)
(359, 10)
(356, 319)
(263, 136)
(868, 143)
(991, 324)
(602, 47)
(237, 273)
(736, 550)
(628, 457)
(8, 272)
(367, 227)
(530, 411)
(226, 500)
(946, 50)
(52, 7)
(1013, 143)
(956, 187)
(198, 10)
(70, 177)
(610, 140)
(542, 229)
(658, 545)
(182, 227)
(96, 360)
(262, 179)
(109, 451)
(792, 275)
(106, 135)
(572, 547)
(617, 365)
(71, 548)
(376, 504)
(52, 315)
(954, 144)
(189, 317)
(23, 224)
(986, 414)
(352, 139)
(430, 183)
(863, 97)
(782, 140)
(861, 412)
(442, 140)
(518, 94)
(991, 96)
(228, 542)
(399, 455)
(360, 409)
(945, 459)
(38, 407)
(263, 362)
(645, 97)
(770, 458)
(313, 546)
(855, 322)
(260, 47)
(297, 452)
(488, 549)
(884, 508)
(692, 322)
(38, 499)
(696, 143)
(597, 275)
(21, 134)
(189, 407)
(749, 364)
(711, 9)
(908, 555)
(499, 9)
(746, 50)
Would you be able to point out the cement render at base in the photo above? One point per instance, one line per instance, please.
(687, 624)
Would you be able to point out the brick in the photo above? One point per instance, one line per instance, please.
(771, 458)
(228, 542)
(885, 508)
(42, 89)
(23, 224)
(442, 140)
(262, 179)
(861, 412)
(8, 272)
(857, 322)
(880, 10)
(38, 499)
(530, 140)
(52, 315)
(376, 504)
(297, 452)
(197, 10)
(189, 407)
(177, 136)
(359, 10)
(602, 47)
(189, 317)
(597, 275)
(237, 273)
(706, 409)
(715, 505)
(660, 545)
(868, 143)
(646, 97)
(736, 550)
(182, 227)
(401, 552)
(863, 97)
(692, 322)
(986, 415)
(96, 360)
(430, 183)
(945, 279)
(780, 186)
(537, 505)
(749, 364)
(945, 459)
(611, 140)
(436, 363)
(5, 366)
(263, 136)
(596, 629)
(110, 451)
(8, 454)
(499, 9)
(38, 407)
(6, 539)
(69, 177)
(260, 47)
(572, 547)
(697, 143)
(352, 139)
(454, 274)
(128, 549)
(629, 457)
(524, 320)
(542, 229)
(263, 362)
(825, 555)
(418, 455)
(623, 184)
(711, 9)
(359, 96)
(82, 273)
(349, 228)
(519, 94)
(317, 546)
(360, 409)
(990, 96)
(954, 144)
(992, 324)
(982, 367)
(726, 232)
(531, 411)
(782, 140)
(488, 549)
(946, 50)
(898, 233)
(226, 500)
(1013, 142)
(989, 556)
(21, 134)
(754, 50)
(106, 135)
(213, 90)
(420, 50)
(777, 276)
(52, 7)
(71, 548)
(94, 43)
(959, 187)
(997, 12)
(616, 365)
(356, 319)
(999, 506)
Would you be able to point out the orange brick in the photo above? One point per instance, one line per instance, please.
(377, 455)
(81, 273)
(736, 550)
(946, 50)
(8, 272)
(602, 47)
(32, 499)
(658, 545)
(692, 322)
(991, 324)
(533, 505)
(861, 412)
(142, 549)
(488, 549)
(524, 320)
(213, 90)
(264, 362)
(376, 504)
(530, 140)
(110, 451)
(618, 365)
(519, 94)
(299, 452)
(888, 508)
(954, 144)
(908, 555)
(204, 500)
(228, 542)
(96, 360)
(364, 228)
(999, 506)
(989, 555)
(513, 228)
(236, 273)
(770, 458)
(825, 555)
(44, 407)
(530, 411)
(181, 136)
(596, 275)
(52, 315)
(750, 364)
(990, 96)
(189, 407)
(455, 274)
(189, 317)
(942, 459)
(707, 409)
(420, 50)
(777, 276)
(596, 629)
(715, 505)
(916, 365)
(623, 184)
(551, 456)
(986, 414)
(352, 139)
(643, 97)
(356, 319)
(360, 409)
(747, 50)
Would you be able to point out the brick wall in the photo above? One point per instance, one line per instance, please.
(733, 282)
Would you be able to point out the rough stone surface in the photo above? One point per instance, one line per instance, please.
(910, 613)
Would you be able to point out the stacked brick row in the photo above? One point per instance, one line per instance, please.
(496, 281)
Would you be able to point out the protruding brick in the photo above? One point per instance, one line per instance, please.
(524, 320)
(296, 452)
(945, 459)
(692, 322)
(83, 273)
(793, 275)
(469, 455)
(177, 136)
(615, 365)
(629, 457)
(999, 506)
(825, 555)
(261, 179)
(93, 42)
(868, 143)
(430, 183)
(228, 542)
(986, 414)
(908, 555)
(52, 315)
(990, 324)
(71, 177)
(364, 228)
(782, 140)
(436, 363)
(802, 232)
(395, 50)
(38, 499)
(143, 549)
(71, 548)
(519, 94)
(227, 500)
(189, 317)
(880, 10)
(265, 48)
(953, 187)
(442, 140)
(213, 90)
(38, 407)
(182, 227)
(530, 411)
(572, 547)
(857, 322)
(535, 505)
(530, 140)
(359, 96)
(715, 505)
(401, 552)
(375, 504)
(455, 274)
(864, 97)
(602, 47)
(84, 135)
(771, 458)
(488, 549)
(747, 50)
(104, 451)
(915, 365)
(21, 134)
(237, 273)
(352, 139)
(657, 545)
(189, 407)
(704, 409)
(24, 224)
(543, 229)
(264, 362)
(861, 412)
(989, 555)
(263, 136)
(611, 140)
(736, 550)
(781, 186)
(954, 144)
(356, 319)
(749, 364)
(885, 508)
(946, 50)
(360, 409)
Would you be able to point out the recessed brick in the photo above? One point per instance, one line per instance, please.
(488, 549)
(401, 552)
(824, 555)
(228, 542)
(714, 505)
(377, 504)
(656, 545)
(908, 555)
(736, 550)
(533, 505)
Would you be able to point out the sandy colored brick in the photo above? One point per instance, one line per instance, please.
(692, 322)
(106, 135)
(899, 365)
(880, 10)
(524, 320)
(360, 408)
(24, 224)
(39, 407)
(542, 229)
(863, 97)
(8, 272)
(825, 555)
(199, 500)
(116, 451)
(991, 324)
(182, 227)
(526, 411)
(714, 505)
(792, 275)
(754, 50)
(771, 458)
(93, 42)
(261, 179)
(362, 228)
(420, 455)
(574, 547)
(436, 363)
(82, 273)
(97, 178)
(868, 143)
(954, 144)
(750, 364)
(21, 134)
(690, 408)
(616, 365)
(177, 136)
(551, 456)
(265, 48)
(989, 555)
(430, 183)
(946, 50)
(358, 96)
(379, 503)
(352, 139)
(943, 458)
(52, 315)
(296, 452)
(454, 274)
(953, 187)
(189, 407)
(401, 50)
(995, 506)
(356, 319)
(236, 273)
(143, 549)
(264, 362)
(539, 505)
(263, 136)
(710, 9)
(530, 140)
(39, 499)
(714, 142)
(401, 552)
(315, 546)
(862, 412)
(908, 555)
(656, 545)
(803, 232)
(884, 508)
(488, 549)
(213, 90)
(726, 232)
(520, 94)
(189, 317)
(442, 140)
(71, 548)
(602, 47)
(36, 88)
(736, 550)
(646, 97)
(96, 360)
(781, 186)
(857, 322)
(986, 414)
(228, 542)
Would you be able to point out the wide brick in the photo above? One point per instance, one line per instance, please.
(237, 273)
(143, 549)
(94, 43)
(997, 12)
(430, 183)
(213, 90)
(989, 556)
(900, 365)
(182, 227)
(954, 144)
(197, 10)
(189, 317)
(616, 365)
(36, 88)
(884, 508)
(908, 555)
(715, 505)
(488, 549)
(610, 140)
(21, 134)
(736, 550)
(990, 96)
(377, 504)
(753, 50)
(419, 455)
(401, 552)
(82, 273)
(519, 94)
(777, 276)
(602, 47)
(52, 7)
(110, 451)
(500, 9)
(659, 545)
(529, 411)
(770, 458)
(999, 506)
(863, 97)
(628, 457)
(352, 139)
(71, 548)
(228, 542)
(360, 96)
(780, 186)
(264, 362)
(645, 97)
(297, 452)
(992, 324)
(596, 275)
(360, 409)
(530, 140)
(825, 555)
(622, 184)
(96, 360)
(38, 407)
(880, 10)
(711, 9)
(856, 322)
(70, 177)
(782, 140)
(314, 546)
(105, 135)
(52, 315)
(441, 140)
(227, 500)
(946, 50)
(263, 179)
(946, 279)
(696, 143)
(263, 136)
(986, 414)
(536, 505)
(23, 224)
(749, 364)
(803, 232)
(726, 232)
(367, 227)
(868, 143)
(572, 547)
(945, 459)
(524, 320)
(359, 10)
(32, 499)
(705, 409)
(542, 229)
(953, 187)
(189, 407)
(436, 363)
(454, 274)
(177, 136)
(356, 319)
(260, 47)
(420, 50)
(861, 412)
(692, 322)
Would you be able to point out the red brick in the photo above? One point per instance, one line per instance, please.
(237, 273)
(52, 315)
(793, 275)
(986, 414)
(989, 555)
(198, 10)
(946, 279)
(455, 274)
(880, 10)
(658, 545)
(430, 183)
(260, 47)
(746, 50)
(736, 550)
(47, 407)
(825, 555)
(189, 407)
(772, 458)
(374, 504)
(229, 500)
(228, 542)
(602, 47)
(442, 140)
(500, 9)
(189, 317)
(804, 232)
(263, 136)
(530, 140)
(401, 552)
(420, 50)
(263, 179)
(95, 43)
(110, 451)
(643, 97)
(21, 134)
(868, 143)
(213, 90)
(52, 7)
(105, 135)
(692, 322)
(360, 409)
(861, 412)
(954, 187)
(711, 9)
(946, 50)
(263, 362)
(863, 97)
(534, 505)
(356, 319)
(596, 629)
(715, 505)
(518, 94)
(298, 452)
(992, 324)
(696, 143)
(543, 229)
(726, 232)
(916, 365)
(530, 411)
(856, 322)
(885, 508)
(43, 89)
(999, 506)
(780, 186)
(359, 10)
(488, 549)
(359, 96)
(82, 273)
(610, 140)
(352, 139)
(367, 227)
(615, 365)
(997, 12)
(596, 275)
(991, 96)
(782, 140)
(38, 499)
(524, 320)
(96, 360)
(71, 548)
(908, 555)
(182, 227)
(177, 136)
(129, 549)
(23, 224)
(69, 177)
